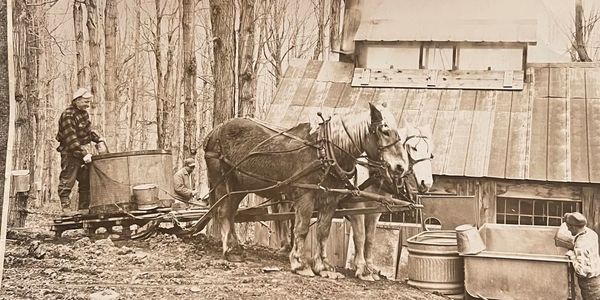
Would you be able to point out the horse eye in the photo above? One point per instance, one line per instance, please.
(413, 148)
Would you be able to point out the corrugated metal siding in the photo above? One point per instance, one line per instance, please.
(549, 131)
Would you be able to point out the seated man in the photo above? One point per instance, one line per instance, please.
(584, 255)
(183, 184)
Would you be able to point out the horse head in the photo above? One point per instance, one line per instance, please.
(419, 146)
(385, 144)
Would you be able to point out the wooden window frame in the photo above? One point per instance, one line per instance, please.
(502, 216)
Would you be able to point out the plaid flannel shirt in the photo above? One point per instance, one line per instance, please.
(585, 256)
(74, 131)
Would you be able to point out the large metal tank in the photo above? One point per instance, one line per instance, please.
(434, 264)
(113, 176)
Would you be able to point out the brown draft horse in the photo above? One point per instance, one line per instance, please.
(419, 148)
(245, 155)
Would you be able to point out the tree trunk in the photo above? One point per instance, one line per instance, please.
(110, 76)
(320, 12)
(160, 109)
(334, 25)
(94, 45)
(247, 76)
(579, 40)
(78, 27)
(135, 84)
(190, 66)
(222, 18)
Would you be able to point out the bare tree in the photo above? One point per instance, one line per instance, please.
(247, 67)
(190, 66)
(79, 52)
(334, 29)
(222, 17)
(579, 33)
(94, 62)
(110, 75)
(135, 82)
(319, 7)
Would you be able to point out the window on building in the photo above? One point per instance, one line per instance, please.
(542, 212)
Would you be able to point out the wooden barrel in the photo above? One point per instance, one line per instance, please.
(434, 264)
(113, 175)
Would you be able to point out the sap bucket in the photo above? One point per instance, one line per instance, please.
(563, 237)
(146, 196)
(468, 240)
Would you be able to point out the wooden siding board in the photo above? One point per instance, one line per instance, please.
(478, 150)
(394, 99)
(579, 141)
(442, 129)
(460, 135)
(557, 139)
(336, 72)
(296, 68)
(593, 118)
(558, 82)
(347, 100)
(365, 97)
(577, 83)
(499, 143)
(284, 96)
(592, 83)
(301, 94)
(291, 116)
(516, 157)
(312, 69)
(413, 104)
(539, 140)
(317, 94)
(542, 77)
(334, 94)
(429, 109)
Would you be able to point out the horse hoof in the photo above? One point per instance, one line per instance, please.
(331, 275)
(367, 277)
(307, 272)
(375, 277)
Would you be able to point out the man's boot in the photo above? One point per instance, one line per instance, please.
(84, 203)
(65, 204)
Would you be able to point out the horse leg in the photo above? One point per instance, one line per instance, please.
(370, 229)
(226, 213)
(298, 261)
(358, 230)
(321, 265)
(282, 227)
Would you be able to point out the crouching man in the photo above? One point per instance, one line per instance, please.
(183, 183)
(584, 256)
(75, 131)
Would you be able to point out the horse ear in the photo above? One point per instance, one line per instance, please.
(376, 116)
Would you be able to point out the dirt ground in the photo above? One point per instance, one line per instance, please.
(39, 266)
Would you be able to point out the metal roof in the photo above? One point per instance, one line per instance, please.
(549, 131)
(454, 30)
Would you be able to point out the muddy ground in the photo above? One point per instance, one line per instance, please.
(39, 266)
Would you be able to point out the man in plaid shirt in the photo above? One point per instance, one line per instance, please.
(74, 131)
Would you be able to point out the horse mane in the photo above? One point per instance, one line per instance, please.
(349, 130)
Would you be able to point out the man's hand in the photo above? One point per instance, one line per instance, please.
(87, 158)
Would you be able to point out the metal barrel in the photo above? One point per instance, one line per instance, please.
(113, 176)
(434, 264)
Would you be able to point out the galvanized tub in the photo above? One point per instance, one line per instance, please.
(434, 264)
(113, 175)
(519, 262)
